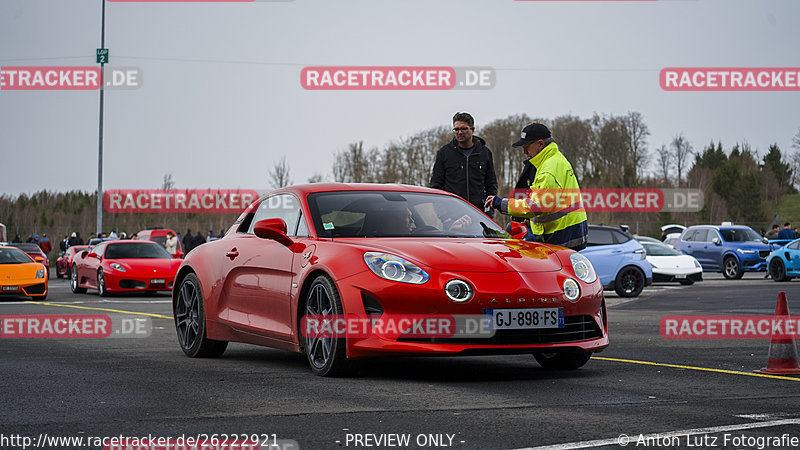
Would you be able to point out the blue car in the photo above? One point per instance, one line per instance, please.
(784, 263)
(619, 260)
(730, 249)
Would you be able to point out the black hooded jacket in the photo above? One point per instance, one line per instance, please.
(471, 178)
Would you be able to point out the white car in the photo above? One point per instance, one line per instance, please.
(671, 265)
(671, 230)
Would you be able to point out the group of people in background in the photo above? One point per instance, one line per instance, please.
(783, 233)
(465, 167)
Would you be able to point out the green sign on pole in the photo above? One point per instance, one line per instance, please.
(102, 56)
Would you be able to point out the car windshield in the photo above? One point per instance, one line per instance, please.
(27, 247)
(125, 250)
(656, 249)
(740, 235)
(398, 214)
(13, 256)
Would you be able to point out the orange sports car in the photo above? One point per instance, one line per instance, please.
(21, 275)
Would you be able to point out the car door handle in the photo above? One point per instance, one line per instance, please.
(232, 253)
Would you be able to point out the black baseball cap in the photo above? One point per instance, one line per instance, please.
(532, 133)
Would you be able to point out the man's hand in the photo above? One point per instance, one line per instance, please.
(493, 201)
(488, 201)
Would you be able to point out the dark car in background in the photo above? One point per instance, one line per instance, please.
(33, 250)
(730, 249)
(64, 261)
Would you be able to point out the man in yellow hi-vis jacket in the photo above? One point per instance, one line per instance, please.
(553, 202)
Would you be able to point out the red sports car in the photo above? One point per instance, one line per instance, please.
(64, 262)
(123, 266)
(347, 271)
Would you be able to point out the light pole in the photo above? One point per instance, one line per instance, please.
(100, 139)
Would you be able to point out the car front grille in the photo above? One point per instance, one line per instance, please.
(576, 328)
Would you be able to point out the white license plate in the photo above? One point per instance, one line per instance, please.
(525, 318)
(10, 288)
(157, 281)
(680, 277)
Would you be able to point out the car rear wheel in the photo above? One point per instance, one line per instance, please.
(190, 322)
(73, 282)
(630, 282)
(777, 270)
(562, 359)
(327, 355)
(731, 269)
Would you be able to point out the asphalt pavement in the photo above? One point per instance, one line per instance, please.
(644, 390)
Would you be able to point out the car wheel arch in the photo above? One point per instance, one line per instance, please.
(299, 305)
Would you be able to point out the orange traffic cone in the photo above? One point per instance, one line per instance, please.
(782, 350)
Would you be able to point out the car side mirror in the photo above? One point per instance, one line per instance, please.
(518, 230)
(716, 241)
(38, 259)
(93, 255)
(274, 229)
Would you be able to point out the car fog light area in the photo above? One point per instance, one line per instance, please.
(571, 289)
(458, 291)
(394, 268)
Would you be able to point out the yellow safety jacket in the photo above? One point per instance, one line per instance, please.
(553, 204)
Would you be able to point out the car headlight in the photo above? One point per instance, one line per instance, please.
(697, 264)
(582, 267)
(117, 266)
(39, 273)
(394, 268)
(745, 252)
(571, 289)
(458, 291)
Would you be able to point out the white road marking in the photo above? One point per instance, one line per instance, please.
(632, 438)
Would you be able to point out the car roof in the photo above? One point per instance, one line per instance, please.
(303, 189)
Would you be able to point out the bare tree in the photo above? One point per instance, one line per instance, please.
(316, 178)
(638, 133)
(664, 162)
(681, 149)
(168, 183)
(279, 174)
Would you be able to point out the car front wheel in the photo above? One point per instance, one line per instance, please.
(562, 359)
(102, 291)
(777, 270)
(73, 282)
(731, 269)
(326, 354)
(190, 321)
(630, 282)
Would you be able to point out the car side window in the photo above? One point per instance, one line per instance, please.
(688, 236)
(794, 245)
(712, 234)
(622, 237)
(98, 249)
(600, 236)
(282, 206)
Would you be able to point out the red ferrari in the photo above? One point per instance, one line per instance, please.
(123, 266)
(347, 271)
(64, 262)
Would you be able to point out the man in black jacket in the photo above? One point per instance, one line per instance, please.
(465, 166)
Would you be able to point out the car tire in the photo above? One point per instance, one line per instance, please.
(562, 359)
(190, 321)
(327, 356)
(630, 282)
(777, 270)
(687, 282)
(73, 282)
(102, 291)
(731, 268)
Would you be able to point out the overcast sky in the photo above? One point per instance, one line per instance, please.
(221, 98)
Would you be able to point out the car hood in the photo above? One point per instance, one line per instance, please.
(15, 273)
(471, 255)
(676, 261)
